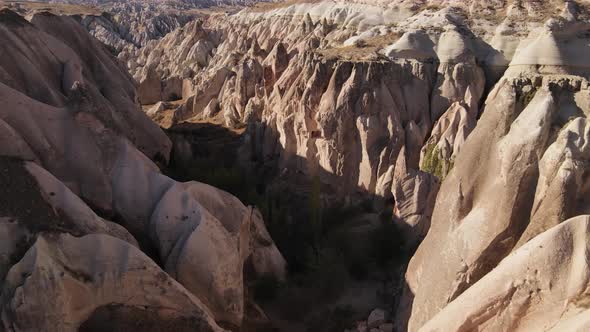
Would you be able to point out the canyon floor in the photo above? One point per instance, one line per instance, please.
(299, 165)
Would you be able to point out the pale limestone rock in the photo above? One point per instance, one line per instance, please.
(458, 82)
(35, 202)
(557, 43)
(105, 84)
(561, 188)
(61, 199)
(203, 235)
(62, 280)
(157, 108)
(447, 137)
(347, 121)
(415, 194)
(131, 25)
(459, 212)
(104, 159)
(170, 60)
(150, 88)
(199, 252)
(414, 44)
(365, 125)
(482, 211)
(542, 286)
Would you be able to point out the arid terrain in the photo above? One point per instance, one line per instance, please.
(300, 165)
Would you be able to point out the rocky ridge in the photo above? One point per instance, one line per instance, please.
(398, 84)
(176, 3)
(390, 98)
(119, 25)
(133, 24)
(77, 152)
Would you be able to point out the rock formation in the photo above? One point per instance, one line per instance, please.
(75, 143)
(390, 98)
(469, 118)
(361, 118)
(499, 203)
(542, 286)
(179, 3)
(125, 25)
(131, 25)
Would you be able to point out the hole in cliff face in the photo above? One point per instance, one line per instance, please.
(173, 97)
(119, 318)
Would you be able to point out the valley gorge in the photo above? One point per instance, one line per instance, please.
(389, 165)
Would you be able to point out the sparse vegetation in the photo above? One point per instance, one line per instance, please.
(435, 164)
(268, 6)
(327, 248)
(365, 49)
(432, 7)
(266, 288)
(432, 163)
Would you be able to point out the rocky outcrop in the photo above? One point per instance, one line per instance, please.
(130, 25)
(387, 99)
(82, 279)
(381, 99)
(161, 66)
(35, 202)
(89, 97)
(365, 125)
(542, 286)
(119, 25)
(499, 198)
(81, 143)
(173, 3)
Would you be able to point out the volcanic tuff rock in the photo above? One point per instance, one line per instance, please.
(131, 25)
(173, 3)
(485, 212)
(518, 177)
(542, 286)
(160, 70)
(361, 118)
(75, 139)
(81, 278)
(387, 98)
(122, 26)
